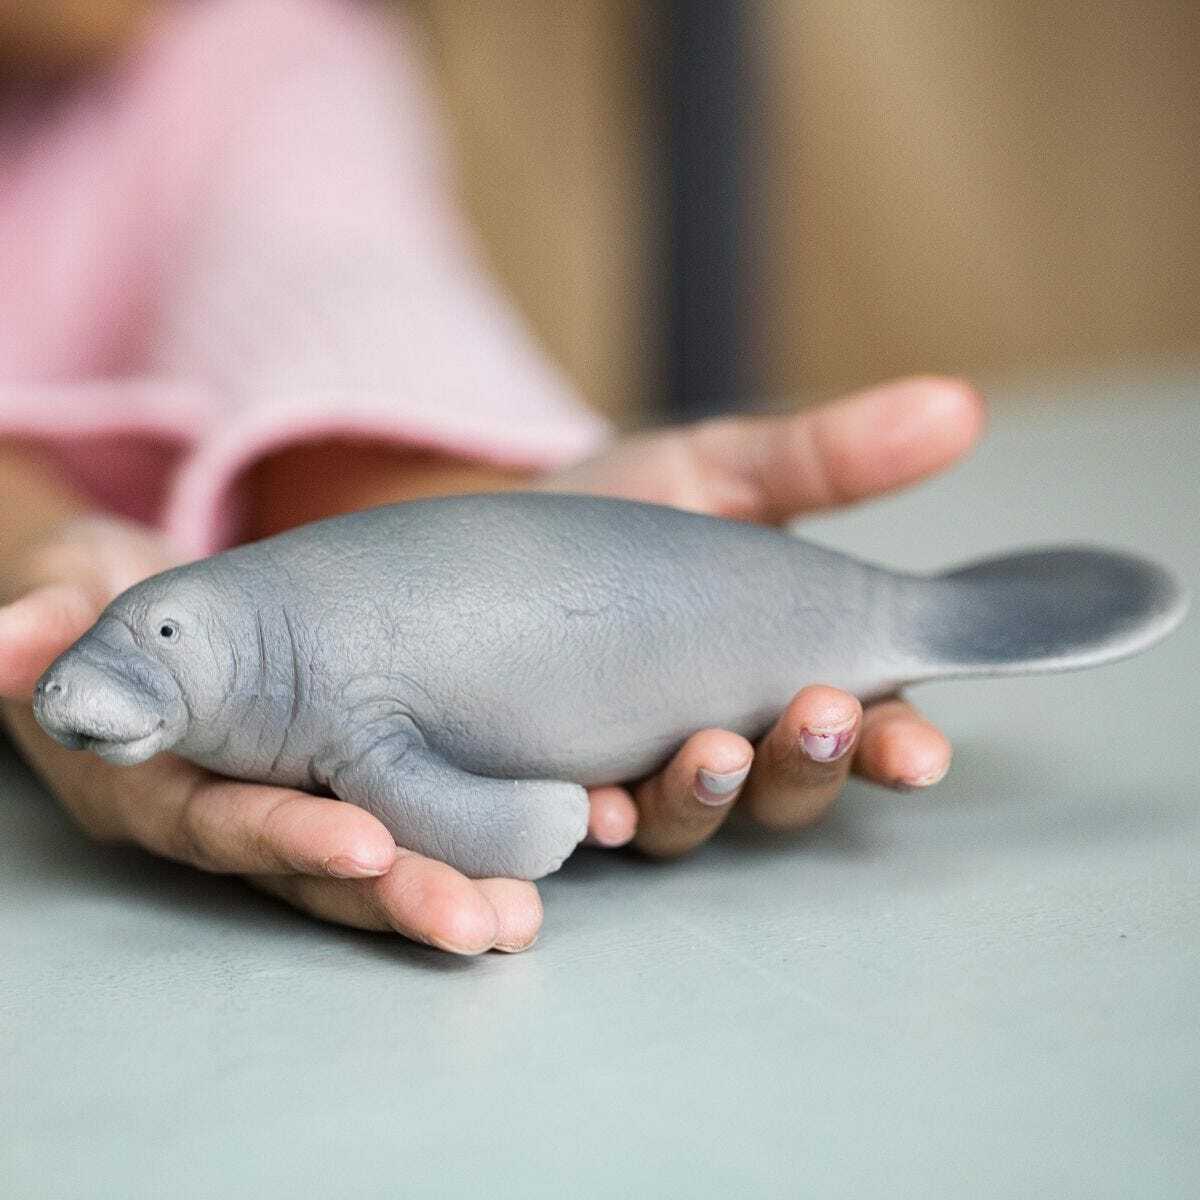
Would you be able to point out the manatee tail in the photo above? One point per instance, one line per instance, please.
(1057, 609)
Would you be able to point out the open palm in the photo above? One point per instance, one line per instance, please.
(329, 858)
(337, 862)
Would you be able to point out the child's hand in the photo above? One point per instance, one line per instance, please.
(772, 469)
(329, 858)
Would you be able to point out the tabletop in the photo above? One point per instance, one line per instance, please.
(984, 990)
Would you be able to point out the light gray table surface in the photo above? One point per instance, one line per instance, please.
(987, 990)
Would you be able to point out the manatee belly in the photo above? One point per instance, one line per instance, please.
(582, 639)
(604, 686)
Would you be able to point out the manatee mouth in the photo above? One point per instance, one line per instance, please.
(105, 696)
(123, 748)
(121, 751)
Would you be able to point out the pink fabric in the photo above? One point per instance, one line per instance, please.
(240, 238)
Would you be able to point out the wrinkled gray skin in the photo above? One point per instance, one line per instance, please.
(461, 667)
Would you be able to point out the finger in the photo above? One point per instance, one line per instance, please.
(419, 898)
(179, 810)
(900, 748)
(612, 817)
(687, 801)
(249, 829)
(802, 764)
(80, 782)
(36, 629)
(518, 908)
(105, 554)
(772, 468)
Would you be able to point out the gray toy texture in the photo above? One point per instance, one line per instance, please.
(463, 667)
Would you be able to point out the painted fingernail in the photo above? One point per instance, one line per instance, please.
(712, 787)
(826, 747)
(342, 866)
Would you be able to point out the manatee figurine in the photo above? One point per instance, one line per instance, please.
(462, 667)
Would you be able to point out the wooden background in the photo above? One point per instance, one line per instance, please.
(937, 185)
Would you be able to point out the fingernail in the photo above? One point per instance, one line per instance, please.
(716, 788)
(825, 747)
(516, 947)
(924, 781)
(342, 866)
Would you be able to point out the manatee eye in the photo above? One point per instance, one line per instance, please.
(168, 631)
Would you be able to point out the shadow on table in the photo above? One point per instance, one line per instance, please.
(992, 800)
(972, 812)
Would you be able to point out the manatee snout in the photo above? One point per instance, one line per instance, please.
(105, 695)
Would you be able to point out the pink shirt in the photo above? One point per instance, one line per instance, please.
(242, 237)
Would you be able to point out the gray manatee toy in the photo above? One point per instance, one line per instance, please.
(462, 667)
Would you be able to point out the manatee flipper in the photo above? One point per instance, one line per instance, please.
(484, 827)
(1055, 609)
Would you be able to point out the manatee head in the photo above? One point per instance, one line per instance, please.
(137, 680)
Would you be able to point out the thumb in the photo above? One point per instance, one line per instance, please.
(36, 629)
(774, 468)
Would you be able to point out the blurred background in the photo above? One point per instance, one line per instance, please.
(700, 204)
(705, 204)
